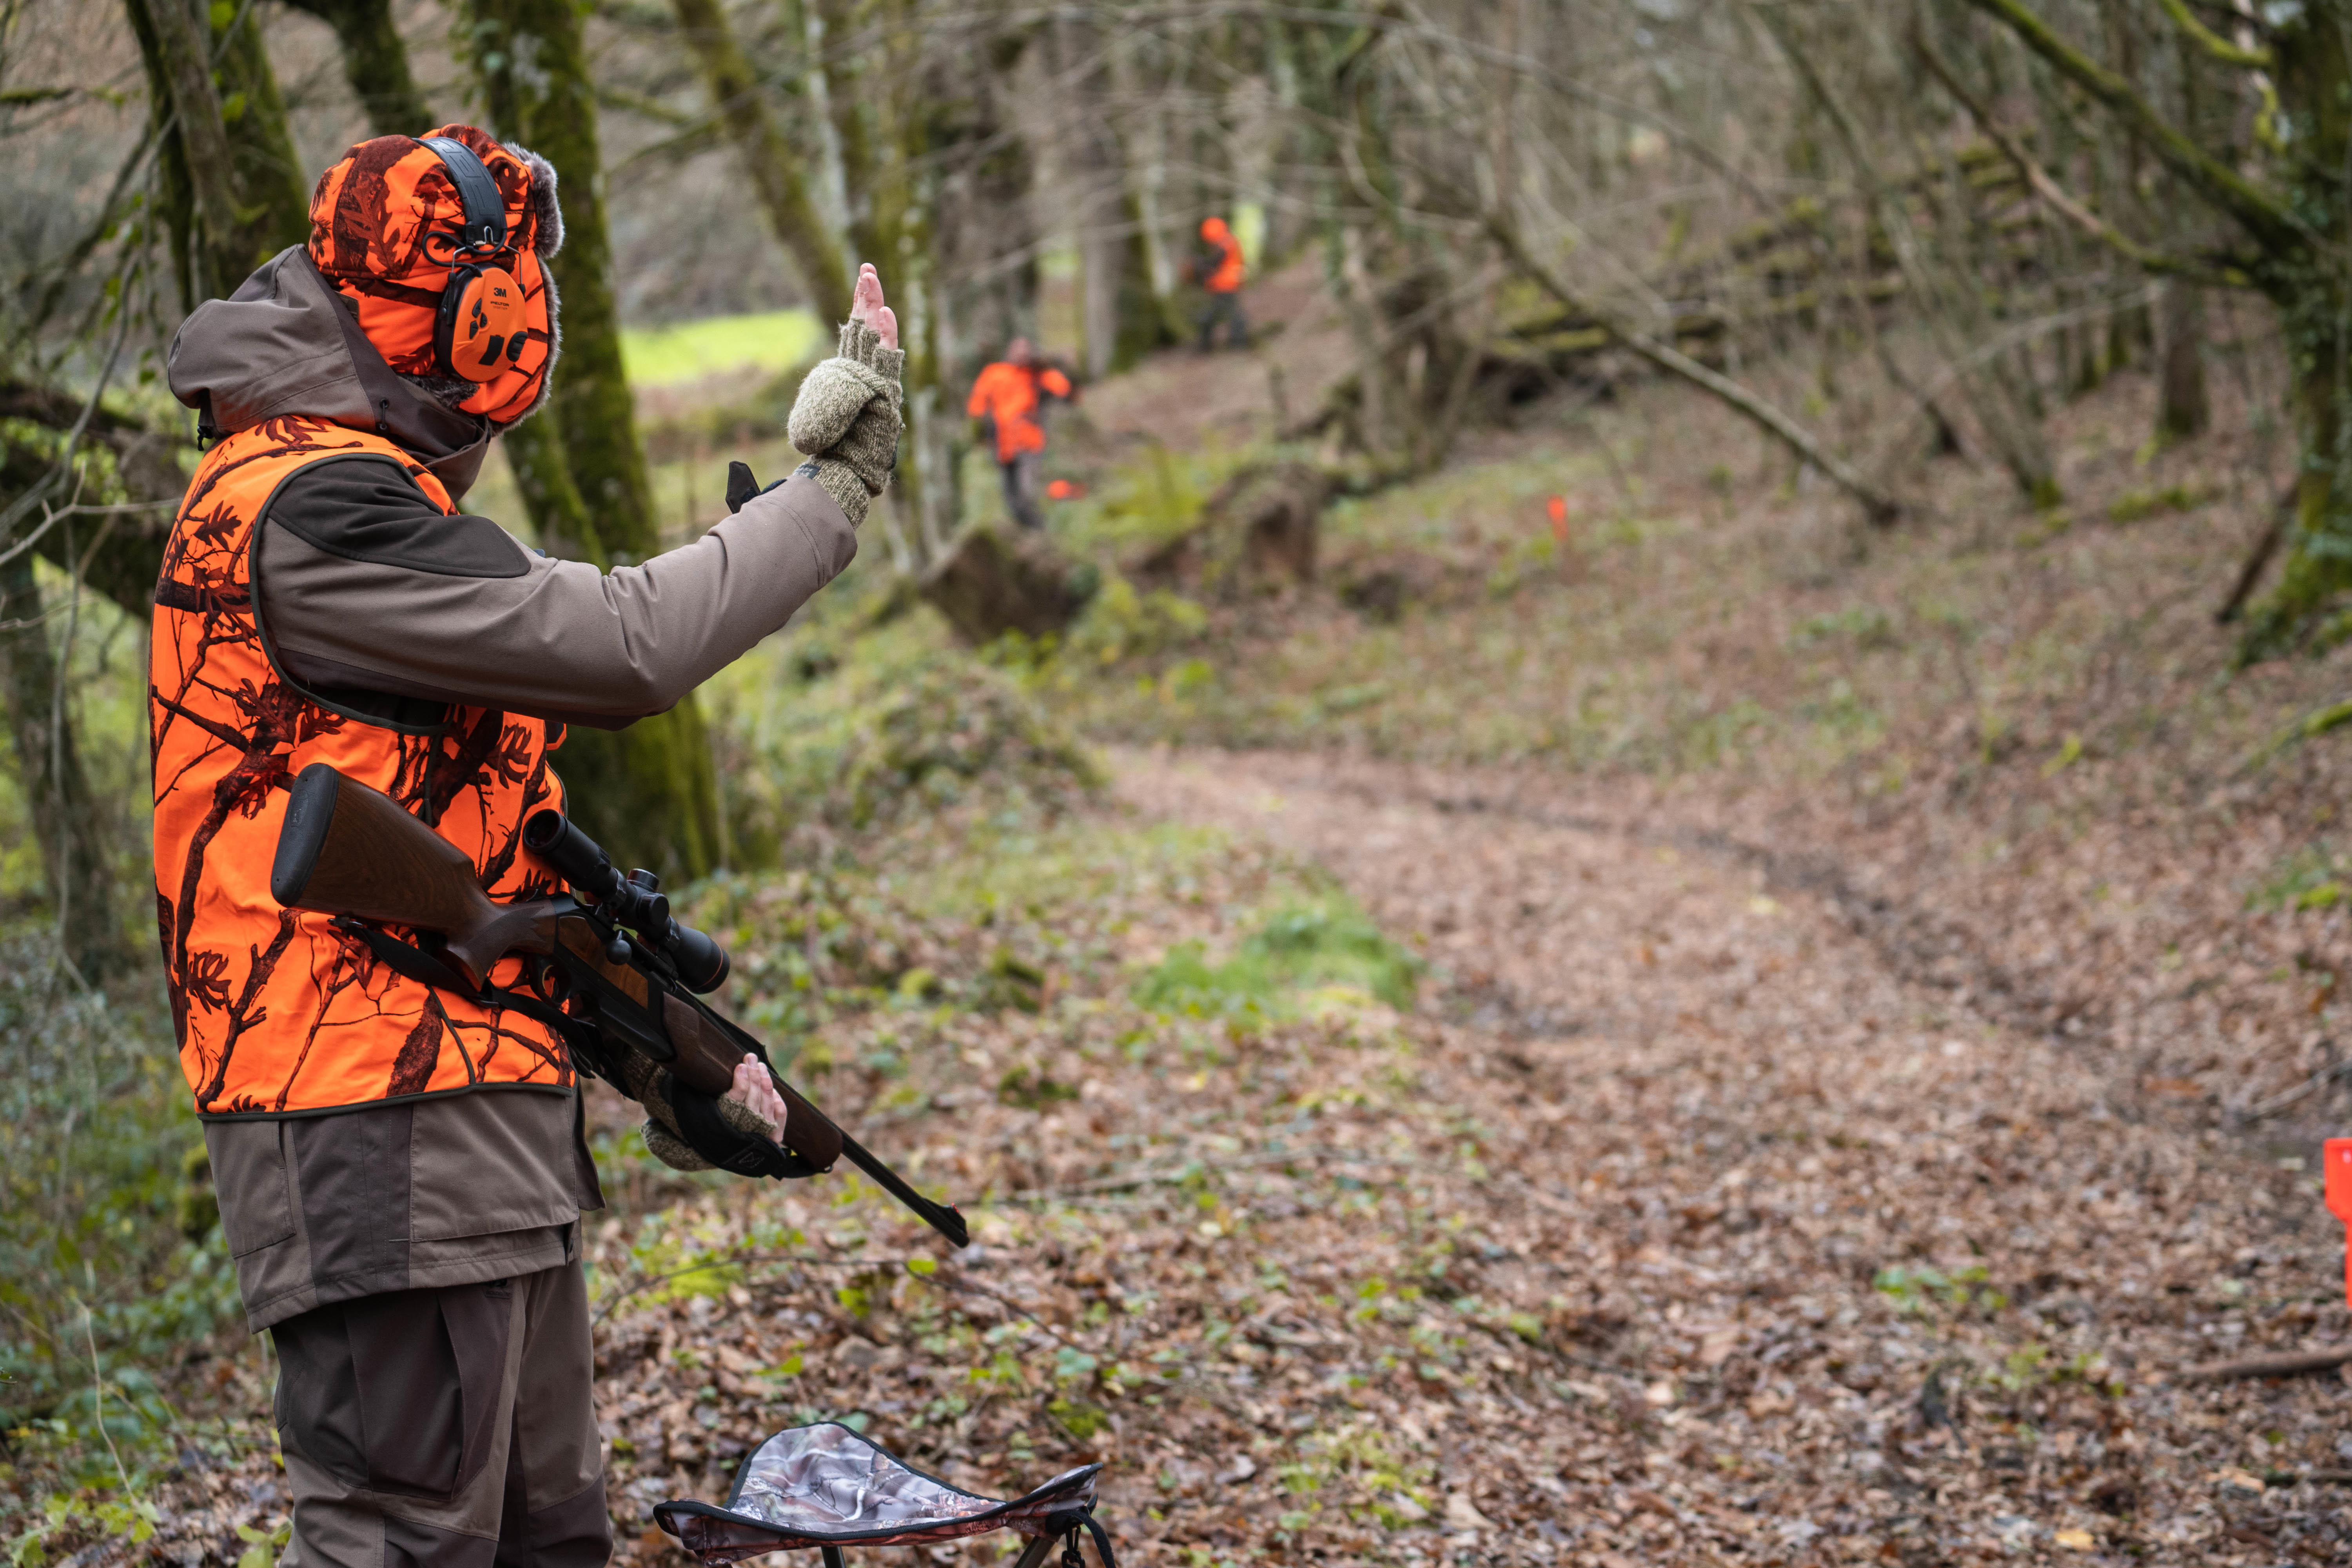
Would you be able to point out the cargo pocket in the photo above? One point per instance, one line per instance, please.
(250, 1178)
(397, 1393)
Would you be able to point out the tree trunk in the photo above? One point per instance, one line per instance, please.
(67, 819)
(2184, 410)
(534, 450)
(178, 58)
(273, 196)
(646, 793)
(375, 62)
(1000, 580)
(1120, 304)
(1120, 319)
(234, 193)
(2315, 83)
(1259, 530)
(773, 165)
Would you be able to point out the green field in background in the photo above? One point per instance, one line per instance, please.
(670, 356)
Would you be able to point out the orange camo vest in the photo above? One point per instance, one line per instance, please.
(276, 1011)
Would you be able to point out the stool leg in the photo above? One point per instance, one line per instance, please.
(1039, 1547)
(833, 1557)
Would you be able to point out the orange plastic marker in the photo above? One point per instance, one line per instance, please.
(2339, 1157)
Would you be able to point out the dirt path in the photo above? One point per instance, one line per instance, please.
(1677, 1225)
(1737, 1124)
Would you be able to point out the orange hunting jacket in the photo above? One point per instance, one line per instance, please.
(1009, 395)
(1225, 274)
(276, 1011)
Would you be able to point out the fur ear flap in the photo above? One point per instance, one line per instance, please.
(554, 348)
(544, 207)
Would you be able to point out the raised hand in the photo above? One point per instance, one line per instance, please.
(846, 419)
(865, 305)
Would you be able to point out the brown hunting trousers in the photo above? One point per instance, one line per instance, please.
(450, 1427)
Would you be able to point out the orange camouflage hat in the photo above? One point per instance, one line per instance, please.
(379, 225)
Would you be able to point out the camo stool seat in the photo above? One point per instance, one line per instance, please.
(826, 1487)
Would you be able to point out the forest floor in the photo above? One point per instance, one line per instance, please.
(1673, 1222)
(1701, 1032)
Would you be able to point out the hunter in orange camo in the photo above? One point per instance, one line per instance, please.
(369, 219)
(276, 1011)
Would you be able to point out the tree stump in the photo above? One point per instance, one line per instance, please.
(1259, 527)
(991, 581)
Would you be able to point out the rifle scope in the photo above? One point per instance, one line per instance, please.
(635, 901)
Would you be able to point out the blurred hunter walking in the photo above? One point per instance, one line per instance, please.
(1008, 399)
(1222, 270)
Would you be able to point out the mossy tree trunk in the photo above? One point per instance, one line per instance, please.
(905, 136)
(375, 62)
(68, 821)
(1121, 318)
(232, 193)
(647, 792)
(776, 171)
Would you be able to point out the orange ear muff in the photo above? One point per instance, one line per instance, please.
(482, 323)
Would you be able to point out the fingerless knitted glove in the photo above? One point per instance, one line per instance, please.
(690, 1130)
(846, 419)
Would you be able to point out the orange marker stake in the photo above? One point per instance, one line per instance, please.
(2338, 1159)
(1556, 509)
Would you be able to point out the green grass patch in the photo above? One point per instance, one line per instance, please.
(1298, 950)
(672, 356)
(2311, 877)
(2138, 506)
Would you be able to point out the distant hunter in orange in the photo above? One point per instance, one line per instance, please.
(1222, 270)
(1007, 399)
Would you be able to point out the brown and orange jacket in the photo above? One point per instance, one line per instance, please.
(322, 599)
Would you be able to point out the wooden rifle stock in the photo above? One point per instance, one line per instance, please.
(347, 849)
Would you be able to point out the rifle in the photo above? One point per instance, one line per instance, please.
(618, 963)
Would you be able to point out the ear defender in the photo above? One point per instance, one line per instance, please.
(481, 326)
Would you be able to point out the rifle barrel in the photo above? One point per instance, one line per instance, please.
(939, 1218)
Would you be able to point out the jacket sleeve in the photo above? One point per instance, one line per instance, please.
(360, 583)
(982, 394)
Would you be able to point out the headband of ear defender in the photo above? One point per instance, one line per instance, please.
(480, 325)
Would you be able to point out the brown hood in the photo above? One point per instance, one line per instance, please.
(285, 343)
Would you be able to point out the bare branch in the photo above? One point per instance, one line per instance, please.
(2275, 228)
(1877, 504)
(2212, 42)
(2055, 195)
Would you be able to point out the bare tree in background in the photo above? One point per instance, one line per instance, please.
(2290, 215)
(232, 189)
(375, 63)
(648, 790)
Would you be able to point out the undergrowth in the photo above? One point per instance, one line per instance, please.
(1299, 955)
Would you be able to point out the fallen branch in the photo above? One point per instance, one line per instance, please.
(2292, 1364)
(2285, 1098)
(1879, 506)
(2259, 558)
